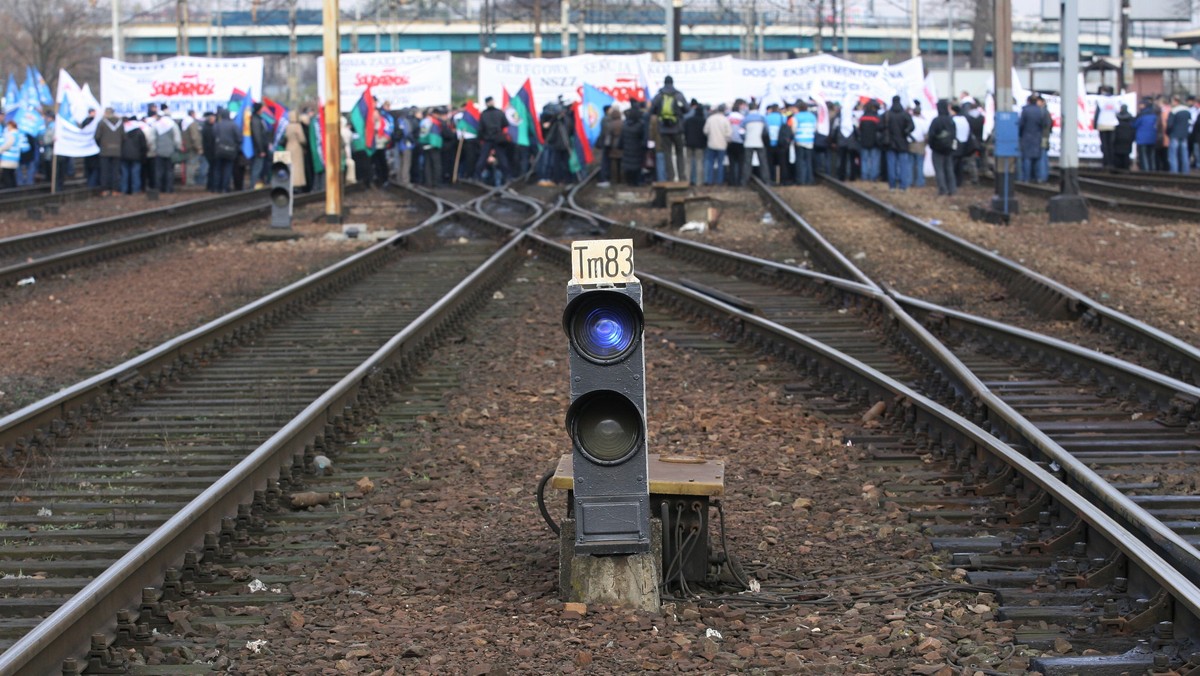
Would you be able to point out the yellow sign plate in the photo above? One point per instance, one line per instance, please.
(602, 261)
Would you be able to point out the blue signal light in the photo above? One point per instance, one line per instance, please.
(604, 327)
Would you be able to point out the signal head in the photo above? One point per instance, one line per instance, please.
(606, 427)
(604, 327)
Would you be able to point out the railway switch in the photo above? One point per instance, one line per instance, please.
(281, 195)
(607, 416)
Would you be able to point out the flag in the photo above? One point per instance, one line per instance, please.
(43, 89)
(581, 146)
(470, 119)
(71, 140)
(316, 139)
(243, 102)
(525, 96)
(12, 95)
(822, 111)
(363, 122)
(275, 118)
(1084, 123)
(386, 124)
(29, 113)
(517, 132)
(592, 111)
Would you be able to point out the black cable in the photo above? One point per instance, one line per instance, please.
(541, 502)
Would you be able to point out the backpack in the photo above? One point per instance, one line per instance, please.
(943, 140)
(668, 114)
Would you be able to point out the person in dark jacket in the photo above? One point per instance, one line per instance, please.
(941, 140)
(868, 142)
(1145, 136)
(610, 146)
(133, 153)
(227, 147)
(669, 106)
(110, 133)
(260, 167)
(899, 162)
(1123, 139)
(209, 149)
(633, 146)
(493, 127)
(1178, 124)
(695, 140)
(1030, 125)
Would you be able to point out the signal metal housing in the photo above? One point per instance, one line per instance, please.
(281, 195)
(611, 499)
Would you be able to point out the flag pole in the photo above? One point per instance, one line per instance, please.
(457, 157)
(54, 167)
(333, 115)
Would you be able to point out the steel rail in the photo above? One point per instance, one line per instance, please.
(1136, 205)
(43, 198)
(1176, 357)
(974, 393)
(54, 415)
(120, 585)
(786, 342)
(31, 242)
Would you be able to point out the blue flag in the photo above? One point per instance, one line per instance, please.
(64, 109)
(591, 113)
(43, 89)
(12, 95)
(29, 90)
(245, 108)
(29, 116)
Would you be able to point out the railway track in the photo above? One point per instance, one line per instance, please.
(1176, 182)
(1014, 480)
(1151, 347)
(56, 250)
(1120, 196)
(39, 198)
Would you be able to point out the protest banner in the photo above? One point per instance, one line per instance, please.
(403, 79)
(621, 76)
(182, 82)
(70, 139)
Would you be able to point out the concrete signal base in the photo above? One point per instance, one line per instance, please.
(626, 580)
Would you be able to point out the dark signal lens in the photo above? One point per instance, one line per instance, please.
(606, 426)
(604, 327)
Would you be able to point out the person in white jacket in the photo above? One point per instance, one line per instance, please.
(718, 132)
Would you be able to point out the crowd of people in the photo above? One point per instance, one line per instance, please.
(667, 138)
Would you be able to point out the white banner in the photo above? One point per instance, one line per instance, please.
(72, 105)
(1089, 137)
(623, 76)
(182, 82)
(401, 79)
(833, 78)
(705, 80)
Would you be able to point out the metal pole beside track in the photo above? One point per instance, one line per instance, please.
(333, 115)
(1069, 206)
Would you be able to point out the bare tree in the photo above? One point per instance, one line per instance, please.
(982, 27)
(52, 34)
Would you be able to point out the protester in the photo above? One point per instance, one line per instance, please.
(695, 140)
(1043, 167)
(898, 124)
(1177, 137)
(1123, 139)
(195, 167)
(1105, 122)
(754, 128)
(1145, 135)
(431, 148)
(845, 139)
(110, 133)
(870, 148)
(91, 163)
(717, 133)
(133, 156)
(1030, 126)
(10, 153)
(804, 136)
(736, 150)
(167, 142)
(633, 146)
(295, 141)
(609, 143)
(943, 143)
(668, 107)
(493, 138)
(917, 145)
(227, 148)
